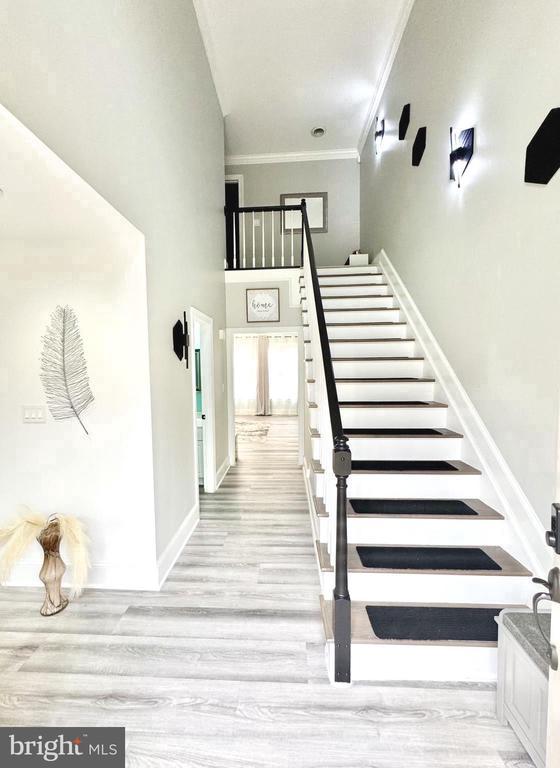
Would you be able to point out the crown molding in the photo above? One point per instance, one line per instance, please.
(210, 48)
(385, 72)
(293, 157)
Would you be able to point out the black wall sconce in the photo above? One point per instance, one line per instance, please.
(404, 122)
(181, 339)
(378, 134)
(419, 145)
(461, 152)
(542, 158)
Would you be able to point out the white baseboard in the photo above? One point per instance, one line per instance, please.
(169, 556)
(516, 507)
(139, 576)
(222, 471)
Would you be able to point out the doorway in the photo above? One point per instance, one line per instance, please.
(266, 387)
(233, 200)
(202, 362)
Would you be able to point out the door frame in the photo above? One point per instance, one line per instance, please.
(206, 324)
(238, 177)
(260, 330)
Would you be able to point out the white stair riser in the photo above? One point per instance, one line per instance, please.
(354, 290)
(391, 390)
(347, 270)
(394, 417)
(317, 483)
(413, 448)
(354, 302)
(361, 316)
(373, 349)
(380, 485)
(400, 587)
(382, 530)
(336, 280)
(381, 331)
(316, 447)
(388, 369)
(419, 662)
(313, 417)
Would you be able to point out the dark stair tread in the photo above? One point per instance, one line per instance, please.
(423, 623)
(391, 404)
(414, 467)
(401, 432)
(361, 296)
(359, 309)
(363, 633)
(507, 564)
(422, 508)
(350, 325)
(426, 558)
(388, 339)
(391, 379)
(378, 357)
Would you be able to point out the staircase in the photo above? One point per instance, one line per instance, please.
(430, 559)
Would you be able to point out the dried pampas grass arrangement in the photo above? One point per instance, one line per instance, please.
(49, 532)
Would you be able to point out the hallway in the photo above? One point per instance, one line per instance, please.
(224, 667)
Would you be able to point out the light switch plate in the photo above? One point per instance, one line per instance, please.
(34, 414)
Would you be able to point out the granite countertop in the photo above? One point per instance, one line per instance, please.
(523, 627)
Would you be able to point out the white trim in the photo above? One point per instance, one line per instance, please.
(515, 505)
(207, 357)
(293, 157)
(222, 471)
(238, 177)
(385, 72)
(169, 556)
(135, 575)
(210, 48)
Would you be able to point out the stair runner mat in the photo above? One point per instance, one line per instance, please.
(411, 507)
(433, 623)
(380, 403)
(393, 431)
(427, 558)
(404, 466)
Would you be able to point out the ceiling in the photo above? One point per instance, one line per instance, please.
(282, 68)
(43, 199)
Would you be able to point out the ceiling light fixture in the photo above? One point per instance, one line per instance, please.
(462, 148)
(318, 132)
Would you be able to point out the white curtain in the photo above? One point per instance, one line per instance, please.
(245, 375)
(282, 359)
(283, 375)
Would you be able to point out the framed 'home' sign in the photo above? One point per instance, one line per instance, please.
(263, 305)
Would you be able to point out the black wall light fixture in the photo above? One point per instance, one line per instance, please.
(378, 134)
(404, 122)
(419, 145)
(462, 148)
(542, 158)
(181, 339)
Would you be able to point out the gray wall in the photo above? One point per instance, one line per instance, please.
(339, 178)
(290, 316)
(481, 262)
(122, 91)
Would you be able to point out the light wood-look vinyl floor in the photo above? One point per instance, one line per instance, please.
(224, 667)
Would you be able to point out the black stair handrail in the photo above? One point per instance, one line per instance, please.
(342, 467)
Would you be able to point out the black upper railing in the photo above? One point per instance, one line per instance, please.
(264, 237)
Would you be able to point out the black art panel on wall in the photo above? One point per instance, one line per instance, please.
(419, 145)
(181, 339)
(542, 158)
(404, 122)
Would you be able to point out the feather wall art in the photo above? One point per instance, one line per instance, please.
(63, 367)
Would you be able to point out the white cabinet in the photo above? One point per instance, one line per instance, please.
(523, 681)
